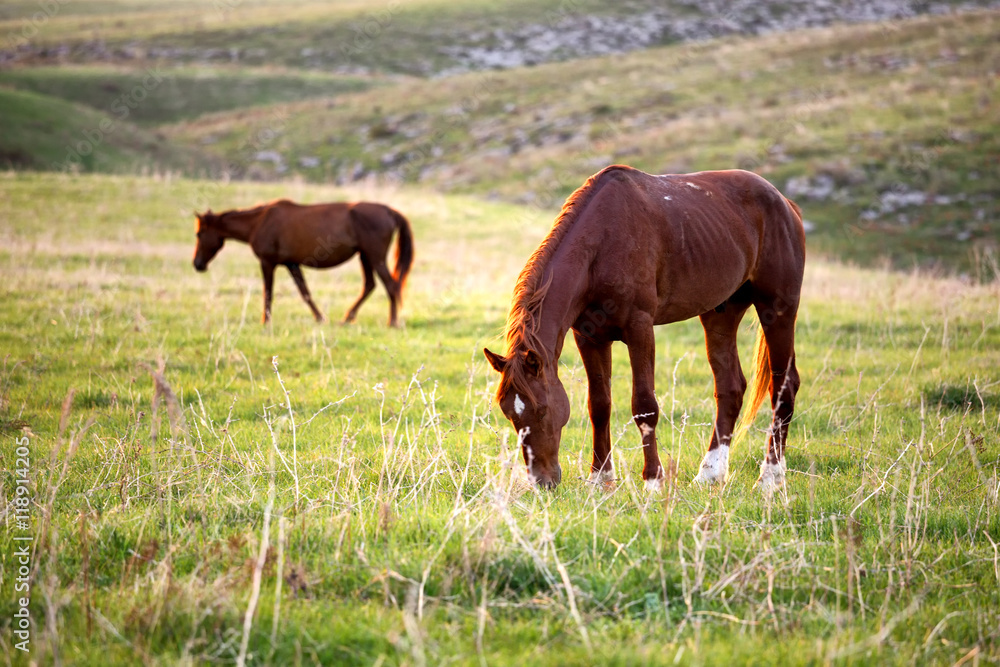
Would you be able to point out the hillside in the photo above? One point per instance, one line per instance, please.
(159, 94)
(885, 132)
(888, 136)
(42, 132)
(417, 37)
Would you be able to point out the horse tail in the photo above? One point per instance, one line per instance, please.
(404, 250)
(759, 390)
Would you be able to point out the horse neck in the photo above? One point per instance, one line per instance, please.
(562, 303)
(239, 225)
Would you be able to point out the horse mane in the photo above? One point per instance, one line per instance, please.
(258, 208)
(213, 218)
(521, 330)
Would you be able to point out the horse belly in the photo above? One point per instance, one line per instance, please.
(701, 279)
(325, 246)
(683, 304)
(324, 258)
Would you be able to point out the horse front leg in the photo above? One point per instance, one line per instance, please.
(730, 385)
(597, 363)
(645, 410)
(267, 270)
(300, 282)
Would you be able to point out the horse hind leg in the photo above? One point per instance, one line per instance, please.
(300, 282)
(369, 285)
(721, 328)
(778, 324)
(391, 288)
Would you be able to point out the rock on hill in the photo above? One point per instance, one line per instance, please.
(569, 35)
(452, 38)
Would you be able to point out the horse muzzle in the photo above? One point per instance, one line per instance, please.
(200, 267)
(548, 479)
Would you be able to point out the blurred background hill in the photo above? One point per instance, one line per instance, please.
(880, 118)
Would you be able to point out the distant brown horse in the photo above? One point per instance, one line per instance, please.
(321, 236)
(629, 251)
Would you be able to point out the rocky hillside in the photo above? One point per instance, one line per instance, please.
(566, 35)
(428, 38)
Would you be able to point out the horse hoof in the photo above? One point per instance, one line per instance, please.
(654, 485)
(772, 477)
(714, 467)
(603, 478)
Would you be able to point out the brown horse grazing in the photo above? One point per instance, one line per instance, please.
(321, 235)
(631, 250)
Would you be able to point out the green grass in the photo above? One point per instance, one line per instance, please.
(47, 133)
(164, 94)
(401, 530)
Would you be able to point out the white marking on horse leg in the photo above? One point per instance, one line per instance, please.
(646, 429)
(654, 485)
(601, 477)
(772, 477)
(518, 404)
(714, 467)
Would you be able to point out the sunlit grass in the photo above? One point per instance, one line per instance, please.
(401, 528)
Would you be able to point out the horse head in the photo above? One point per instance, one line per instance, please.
(534, 400)
(210, 240)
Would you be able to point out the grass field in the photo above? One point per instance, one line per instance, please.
(353, 488)
(200, 489)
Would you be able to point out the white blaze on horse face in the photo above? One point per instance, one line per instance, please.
(715, 466)
(518, 405)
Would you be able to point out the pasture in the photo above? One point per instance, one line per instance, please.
(354, 489)
(186, 486)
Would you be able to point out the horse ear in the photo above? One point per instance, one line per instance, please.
(498, 363)
(533, 362)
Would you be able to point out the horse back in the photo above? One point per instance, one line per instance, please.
(682, 244)
(317, 235)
